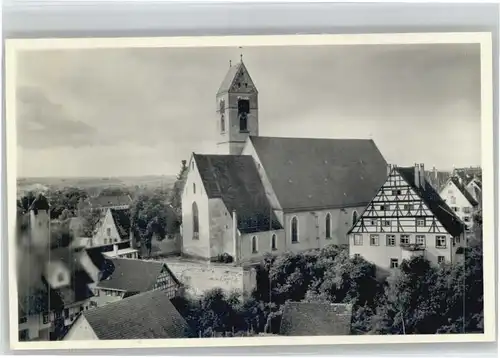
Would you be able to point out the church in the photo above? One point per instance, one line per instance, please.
(261, 194)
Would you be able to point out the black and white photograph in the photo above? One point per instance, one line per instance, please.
(276, 189)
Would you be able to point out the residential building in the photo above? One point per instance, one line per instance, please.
(113, 228)
(267, 194)
(406, 217)
(48, 302)
(475, 188)
(316, 319)
(130, 277)
(460, 200)
(149, 315)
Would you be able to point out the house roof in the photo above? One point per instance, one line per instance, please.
(121, 217)
(40, 203)
(105, 201)
(464, 191)
(235, 179)
(144, 316)
(437, 179)
(434, 202)
(132, 275)
(309, 174)
(315, 319)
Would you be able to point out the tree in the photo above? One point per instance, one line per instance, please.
(175, 198)
(152, 217)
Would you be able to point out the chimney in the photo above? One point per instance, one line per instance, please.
(417, 175)
(115, 249)
(435, 172)
(389, 169)
(236, 241)
(422, 175)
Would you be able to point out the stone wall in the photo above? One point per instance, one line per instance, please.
(198, 277)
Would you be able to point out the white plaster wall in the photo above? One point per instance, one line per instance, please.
(195, 247)
(312, 228)
(81, 331)
(40, 227)
(381, 255)
(450, 192)
(263, 245)
(221, 228)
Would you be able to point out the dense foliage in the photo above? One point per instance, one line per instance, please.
(417, 298)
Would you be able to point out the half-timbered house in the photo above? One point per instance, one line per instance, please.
(459, 199)
(407, 217)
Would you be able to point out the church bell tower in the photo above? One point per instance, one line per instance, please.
(237, 110)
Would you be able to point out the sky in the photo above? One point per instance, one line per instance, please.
(128, 112)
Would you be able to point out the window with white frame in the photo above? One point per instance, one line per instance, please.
(394, 263)
(358, 239)
(466, 210)
(396, 192)
(108, 231)
(390, 240)
(466, 219)
(453, 200)
(455, 208)
(421, 222)
(404, 239)
(386, 223)
(382, 207)
(374, 240)
(420, 240)
(441, 242)
(440, 259)
(407, 207)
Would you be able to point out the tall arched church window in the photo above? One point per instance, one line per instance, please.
(274, 245)
(354, 217)
(255, 248)
(294, 230)
(196, 224)
(328, 226)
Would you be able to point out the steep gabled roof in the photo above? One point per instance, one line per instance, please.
(311, 173)
(144, 316)
(132, 275)
(315, 319)
(434, 202)
(235, 180)
(40, 203)
(121, 217)
(464, 191)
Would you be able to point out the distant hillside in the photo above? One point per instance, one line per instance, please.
(93, 184)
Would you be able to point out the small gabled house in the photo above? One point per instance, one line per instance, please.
(130, 277)
(114, 228)
(149, 315)
(406, 217)
(475, 188)
(459, 199)
(316, 319)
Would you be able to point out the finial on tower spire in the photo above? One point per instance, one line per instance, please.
(230, 63)
(241, 54)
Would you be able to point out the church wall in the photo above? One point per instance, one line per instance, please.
(221, 224)
(191, 246)
(263, 245)
(312, 228)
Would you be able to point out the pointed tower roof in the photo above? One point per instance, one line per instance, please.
(235, 71)
(40, 203)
